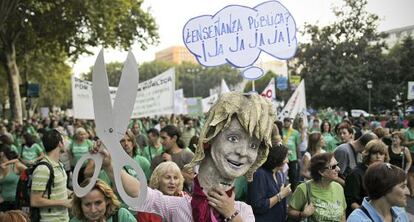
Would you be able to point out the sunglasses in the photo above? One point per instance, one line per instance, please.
(332, 167)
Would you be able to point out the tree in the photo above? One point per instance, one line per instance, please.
(113, 70)
(193, 78)
(401, 56)
(339, 60)
(261, 83)
(148, 70)
(68, 26)
(54, 77)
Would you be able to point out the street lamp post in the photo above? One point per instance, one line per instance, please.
(369, 86)
(193, 71)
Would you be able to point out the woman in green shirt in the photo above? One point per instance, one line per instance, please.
(100, 204)
(10, 169)
(31, 151)
(77, 148)
(320, 199)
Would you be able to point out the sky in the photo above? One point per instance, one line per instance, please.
(171, 17)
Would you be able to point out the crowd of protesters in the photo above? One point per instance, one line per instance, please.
(325, 170)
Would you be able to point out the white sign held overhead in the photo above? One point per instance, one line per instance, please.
(296, 104)
(238, 34)
(154, 97)
(224, 87)
(269, 92)
(410, 93)
(209, 102)
(179, 102)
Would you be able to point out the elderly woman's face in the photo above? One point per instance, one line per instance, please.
(94, 205)
(233, 151)
(170, 182)
(331, 171)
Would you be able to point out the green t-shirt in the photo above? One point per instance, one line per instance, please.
(240, 188)
(329, 202)
(59, 190)
(8, 184)
(144, 164)
(149, 152)
(123, 215)
(330, 142)
(291, 140)
(409, 136)
(32, 153)
(78, 150)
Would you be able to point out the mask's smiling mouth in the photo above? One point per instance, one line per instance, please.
(234, 163)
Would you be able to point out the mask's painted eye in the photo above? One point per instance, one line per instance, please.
(254, 146)
(233, 139)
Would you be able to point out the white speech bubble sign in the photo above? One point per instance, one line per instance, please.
(237, 35)
(252, 73)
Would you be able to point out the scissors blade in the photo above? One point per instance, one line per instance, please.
(101, 98)
(126, 94)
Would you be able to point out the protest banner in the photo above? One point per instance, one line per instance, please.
(154, 97)
(194, 106)
(410, 93)
(208, 102)
(296, 105)
(282, 82)
(179, 102)
(270, 93)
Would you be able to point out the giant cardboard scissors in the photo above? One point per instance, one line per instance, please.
(111, 125)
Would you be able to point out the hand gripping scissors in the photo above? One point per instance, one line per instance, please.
(111, 125)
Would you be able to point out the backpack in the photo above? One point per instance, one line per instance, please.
(24, 187)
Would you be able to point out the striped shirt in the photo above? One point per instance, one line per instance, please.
(173, 209)
(59, 190)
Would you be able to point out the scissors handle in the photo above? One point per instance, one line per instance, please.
(118, 167)
(82, 191)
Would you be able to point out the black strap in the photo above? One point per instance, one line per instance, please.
(115, 216)
(366, 212)
(51, 180)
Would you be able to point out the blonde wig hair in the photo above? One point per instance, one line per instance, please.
(373, 147)
(105, 189)
(255, 115)
(161, 170)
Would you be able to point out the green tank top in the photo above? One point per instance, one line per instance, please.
(8, 185)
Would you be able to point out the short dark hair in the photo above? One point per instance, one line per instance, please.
(366, 137)
(172, 131)
(380, 178)
(154, 132)
(318, 163)
(276, 156)
(29, 139)
(8, 152)
(346, 126)
(51, 140)
(411, 123)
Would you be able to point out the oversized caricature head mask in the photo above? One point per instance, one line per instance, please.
(255, 116)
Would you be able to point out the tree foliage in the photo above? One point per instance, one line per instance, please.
(339, 60)
(70, 27)
(188, 76)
